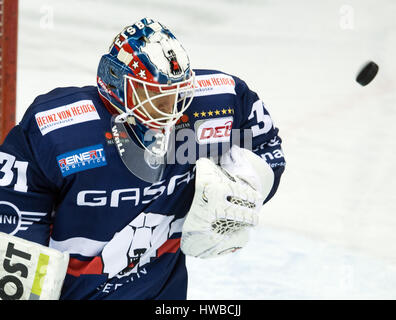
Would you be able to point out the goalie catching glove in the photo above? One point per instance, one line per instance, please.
(30, 271)
(226, 203)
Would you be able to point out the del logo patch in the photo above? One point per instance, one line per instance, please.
(77, 112)
(81, 159)
(214, 130)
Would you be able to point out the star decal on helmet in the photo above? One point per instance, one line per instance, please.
(135, 64)
(142, 74)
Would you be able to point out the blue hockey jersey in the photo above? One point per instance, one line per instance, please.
(63, 184)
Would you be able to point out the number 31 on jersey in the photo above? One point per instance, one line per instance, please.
(264, 121)
(7, 164)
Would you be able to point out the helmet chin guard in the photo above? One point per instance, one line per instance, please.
(146, 163)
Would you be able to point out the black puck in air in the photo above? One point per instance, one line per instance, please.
(367, 74)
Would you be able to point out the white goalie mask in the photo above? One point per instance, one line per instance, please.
(147, 78)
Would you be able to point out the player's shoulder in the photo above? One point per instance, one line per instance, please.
(68, 93)
(62, 121)
(58, 97)
(207, 73)
(60, 107)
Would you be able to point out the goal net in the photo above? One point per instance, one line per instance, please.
(8, 64)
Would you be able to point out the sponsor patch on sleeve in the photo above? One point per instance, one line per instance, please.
(64, 116)
(81, 159)
(212, 84)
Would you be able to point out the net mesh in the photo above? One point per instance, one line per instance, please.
(8, 64)
(1, 50)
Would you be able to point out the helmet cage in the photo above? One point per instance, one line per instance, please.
(183, 92)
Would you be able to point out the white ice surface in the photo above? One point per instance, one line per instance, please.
(330, 231)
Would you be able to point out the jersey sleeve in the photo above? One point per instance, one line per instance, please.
(26, 195)
(265, 140)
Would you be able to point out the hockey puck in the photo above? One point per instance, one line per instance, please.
(367, 74)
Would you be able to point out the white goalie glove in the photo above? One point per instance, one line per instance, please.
(226, 204)
(30, 271)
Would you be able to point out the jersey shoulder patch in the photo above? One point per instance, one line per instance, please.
(60, 108)
(213, 82)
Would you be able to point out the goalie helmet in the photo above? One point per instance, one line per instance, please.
(146, 77)
(145, 65)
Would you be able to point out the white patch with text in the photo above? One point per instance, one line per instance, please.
(64, 116)
(210, 84)
(213, 130)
